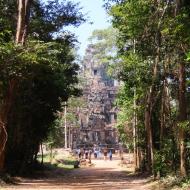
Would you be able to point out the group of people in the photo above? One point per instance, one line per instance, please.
(97, 151)
(84, 153)
(107, 153)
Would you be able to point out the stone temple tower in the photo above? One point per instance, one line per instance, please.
(98, 118)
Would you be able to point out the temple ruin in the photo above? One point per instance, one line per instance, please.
(99, 116)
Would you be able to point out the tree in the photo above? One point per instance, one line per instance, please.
(29, 69)
(23, 20)
(22, 26)
(160, 31)
(102, 49)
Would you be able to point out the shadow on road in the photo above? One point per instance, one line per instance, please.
(105, 175)
(87, 178)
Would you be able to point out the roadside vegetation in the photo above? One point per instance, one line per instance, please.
(152, 61)
(38, 71)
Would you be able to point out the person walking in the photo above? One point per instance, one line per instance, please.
(105, 151)
(90, 155)
(82, 152)
(86, 154)
(79, 153)
(110, 154)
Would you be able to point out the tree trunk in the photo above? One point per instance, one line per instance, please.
(149, 108)
(135, 132)
(23, 20)
(165, 109)
(41, 147)
(5, 108)
(182, 103)
(21, 33)
(162, 116)
(3, 140)
(150, 155)
(182, 117)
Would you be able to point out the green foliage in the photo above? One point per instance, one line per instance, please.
(57, 134)
(44, 70)
(134, 70)
(124, 125)
(8, 12)
(48, 19)
(126, 17)
(159, 163)
(184, 125)
(43, 80)
(104, 41)
(153, 38)
(103, 46)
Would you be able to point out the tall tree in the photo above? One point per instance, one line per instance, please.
(22, 26)
(161, 32)
(23, 20)
(182, 96)
(29, 68)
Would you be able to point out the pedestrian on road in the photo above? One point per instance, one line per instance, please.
(90, 155)
(79, 153)
(82, 152)
(95, 152)
(105, 151)
(86, 154)
(110, 154)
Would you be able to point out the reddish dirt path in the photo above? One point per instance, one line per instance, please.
(105, 175)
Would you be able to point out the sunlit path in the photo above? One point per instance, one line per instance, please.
(103, 175)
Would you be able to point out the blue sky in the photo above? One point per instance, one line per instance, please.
(97, 15)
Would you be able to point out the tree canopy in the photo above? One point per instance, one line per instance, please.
(153, 46)
(35, 75)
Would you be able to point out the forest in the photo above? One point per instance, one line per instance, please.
(38, 71)
(147, 49)
(153, 62)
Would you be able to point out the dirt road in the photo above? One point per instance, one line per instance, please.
(104, 175)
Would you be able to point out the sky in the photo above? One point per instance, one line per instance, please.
(97, 16)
